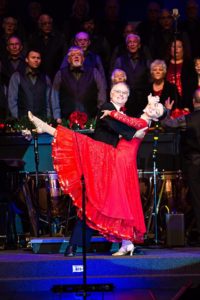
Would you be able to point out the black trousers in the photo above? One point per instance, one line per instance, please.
(77, 234)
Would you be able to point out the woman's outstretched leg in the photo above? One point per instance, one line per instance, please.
(40, 125)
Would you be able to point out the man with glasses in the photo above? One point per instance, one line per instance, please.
(82, 40)
(108, 131)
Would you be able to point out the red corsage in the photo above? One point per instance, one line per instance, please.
(78, 119)
(178, 112)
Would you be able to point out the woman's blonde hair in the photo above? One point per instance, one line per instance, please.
(158, 62)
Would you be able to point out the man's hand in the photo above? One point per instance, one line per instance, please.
(105, 113)
(140, 133)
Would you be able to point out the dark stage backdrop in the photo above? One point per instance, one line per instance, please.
(130, 10)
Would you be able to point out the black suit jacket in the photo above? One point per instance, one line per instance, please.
(190, 139)
(108, 130)
(3, 103)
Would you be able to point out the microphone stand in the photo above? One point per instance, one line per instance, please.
(156, 197)
(175, 15)
(83, 288)
(36, 194)
(84, 239)
(155, 173)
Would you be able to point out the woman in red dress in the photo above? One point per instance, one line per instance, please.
(113, 204)
(180, 72)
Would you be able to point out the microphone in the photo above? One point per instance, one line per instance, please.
(175, 13)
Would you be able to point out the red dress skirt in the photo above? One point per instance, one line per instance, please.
(113, 204)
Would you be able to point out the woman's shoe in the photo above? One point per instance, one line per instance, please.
(36, 122)
(125, 250)
(40, 125)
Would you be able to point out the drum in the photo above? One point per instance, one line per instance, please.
(171, 195)
(54, 186)
(50, 196)
(170, 185)
(172, 190)
(44, 200)
(56, 196)
(146, 188)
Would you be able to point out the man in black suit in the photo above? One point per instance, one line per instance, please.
(3, 103)
(29, 89)
(108, 131)
(190, 155)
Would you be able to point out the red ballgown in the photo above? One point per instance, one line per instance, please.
(113, 204)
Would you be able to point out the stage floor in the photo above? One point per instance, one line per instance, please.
(156, 274)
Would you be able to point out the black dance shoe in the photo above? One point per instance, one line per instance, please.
(70, 250)
(194, 239)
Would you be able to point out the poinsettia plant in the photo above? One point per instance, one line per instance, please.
(178, 112)
(78, 119)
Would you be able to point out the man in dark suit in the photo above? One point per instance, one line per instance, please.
(29, 89)
(77, 87)
(108, 131)
(190, 154)
(3, 103)
(136, 66)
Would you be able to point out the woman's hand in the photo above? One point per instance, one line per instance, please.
(105, 113)
(153, 99)
(169, 104)
(140, 133)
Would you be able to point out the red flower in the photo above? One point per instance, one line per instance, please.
(2, 125)
(178, 112)
(78, 118)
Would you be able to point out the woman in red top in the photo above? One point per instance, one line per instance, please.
(180, 71)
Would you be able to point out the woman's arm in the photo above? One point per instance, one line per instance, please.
(136, 123)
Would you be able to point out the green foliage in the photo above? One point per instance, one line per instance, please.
(17, 125)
